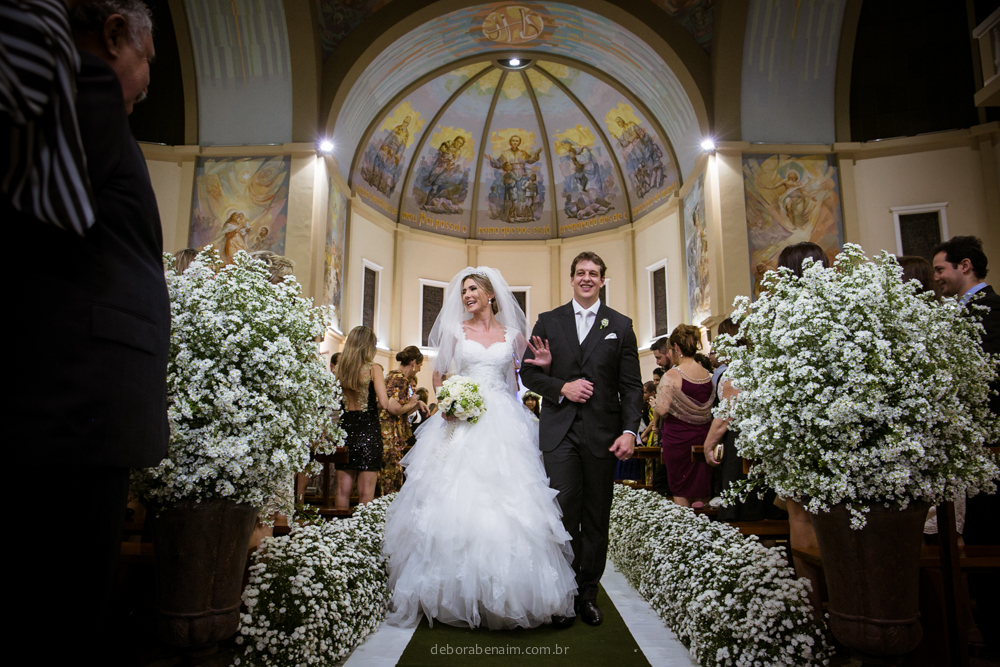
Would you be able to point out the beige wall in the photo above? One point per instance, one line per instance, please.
(370, 241)
(166, 178)
(952, 175)
(947, 167)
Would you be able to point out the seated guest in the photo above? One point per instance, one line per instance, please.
(919, 269)
(721, 444)
(634, 468)
(684, 401)
(649, 427)
(183, 259)
(960, 268)
(533, 402)
(662, 353)
(802, 535)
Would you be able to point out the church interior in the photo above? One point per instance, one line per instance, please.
(383, 145)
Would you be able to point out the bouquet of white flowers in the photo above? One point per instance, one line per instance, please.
(459, 397)
(856, 388)
(248, 393)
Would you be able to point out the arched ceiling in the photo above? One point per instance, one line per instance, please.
(338, 18)
(535, 31)
(530, 151)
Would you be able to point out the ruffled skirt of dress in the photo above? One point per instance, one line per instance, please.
(474, 537)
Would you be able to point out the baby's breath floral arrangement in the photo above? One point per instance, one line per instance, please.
(729, 599)
(248, 393)
(856, 388)
(460, 397)
(314, 594)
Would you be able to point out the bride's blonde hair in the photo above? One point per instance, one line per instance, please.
(484, 284)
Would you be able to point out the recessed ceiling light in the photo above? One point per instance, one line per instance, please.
(708, 145)
(514, 62)
(326, 146)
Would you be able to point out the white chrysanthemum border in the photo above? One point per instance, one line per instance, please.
(316, 593)
(729, 599)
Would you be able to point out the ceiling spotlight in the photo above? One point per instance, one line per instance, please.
(326, 146)
(708, 145)
(514, 62)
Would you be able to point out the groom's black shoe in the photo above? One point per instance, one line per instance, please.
(562, 622)
(589, 612)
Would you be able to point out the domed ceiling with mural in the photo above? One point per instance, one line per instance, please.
(525, 150)
(516, 121)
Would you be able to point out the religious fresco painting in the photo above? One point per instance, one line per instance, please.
(790, 199)
(514, 198)
(649, 171)
(588, 197)
(379, 174)
(442, 181)
(240, 203)
(696, 252)
(569, 31)
(333, 255)
(383, 162)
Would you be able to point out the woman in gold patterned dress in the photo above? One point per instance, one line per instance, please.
(396, 427)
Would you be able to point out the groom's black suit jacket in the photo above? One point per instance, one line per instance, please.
(610, 362)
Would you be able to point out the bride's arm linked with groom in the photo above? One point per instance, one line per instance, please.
(583, 359)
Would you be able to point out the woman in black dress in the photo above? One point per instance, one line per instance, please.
(363, 384)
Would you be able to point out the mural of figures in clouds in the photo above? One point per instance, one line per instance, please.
(383, 163)
(790, 199)
(641, 153)
(517, 192)
(333, 260)
(588, 187)
(696, 252)
(441, 182)
(240, 204)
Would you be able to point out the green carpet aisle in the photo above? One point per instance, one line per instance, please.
(611, 643)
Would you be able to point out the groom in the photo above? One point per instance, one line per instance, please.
(584, 361)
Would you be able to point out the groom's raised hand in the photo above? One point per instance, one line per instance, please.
(578, 391)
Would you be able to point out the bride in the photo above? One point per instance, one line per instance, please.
(474, 536)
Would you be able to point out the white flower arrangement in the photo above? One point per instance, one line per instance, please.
(314, 594)
(459, 397)
(855, 388)
(729, 599)
(248, 393)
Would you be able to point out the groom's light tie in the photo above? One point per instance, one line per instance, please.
(583, 324)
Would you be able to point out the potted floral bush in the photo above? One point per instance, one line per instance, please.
(248, 395)
(866, 401)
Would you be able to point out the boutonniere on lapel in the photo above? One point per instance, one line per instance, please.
(604, 323)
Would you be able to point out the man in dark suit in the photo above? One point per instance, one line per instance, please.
(584, 361)
(960, 268)
(91, 339)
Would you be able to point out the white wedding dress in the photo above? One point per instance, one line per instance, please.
(474, 536)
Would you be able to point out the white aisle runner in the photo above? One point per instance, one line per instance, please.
(660, 646)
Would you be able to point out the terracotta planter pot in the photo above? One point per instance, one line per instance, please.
(201, 553)
(872, 576)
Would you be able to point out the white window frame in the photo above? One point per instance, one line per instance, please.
(368, 264)
(429, 283)
(527, 299)
(940, 207)
(665, 265)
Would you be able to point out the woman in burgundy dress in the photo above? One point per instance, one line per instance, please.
(684, 401)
